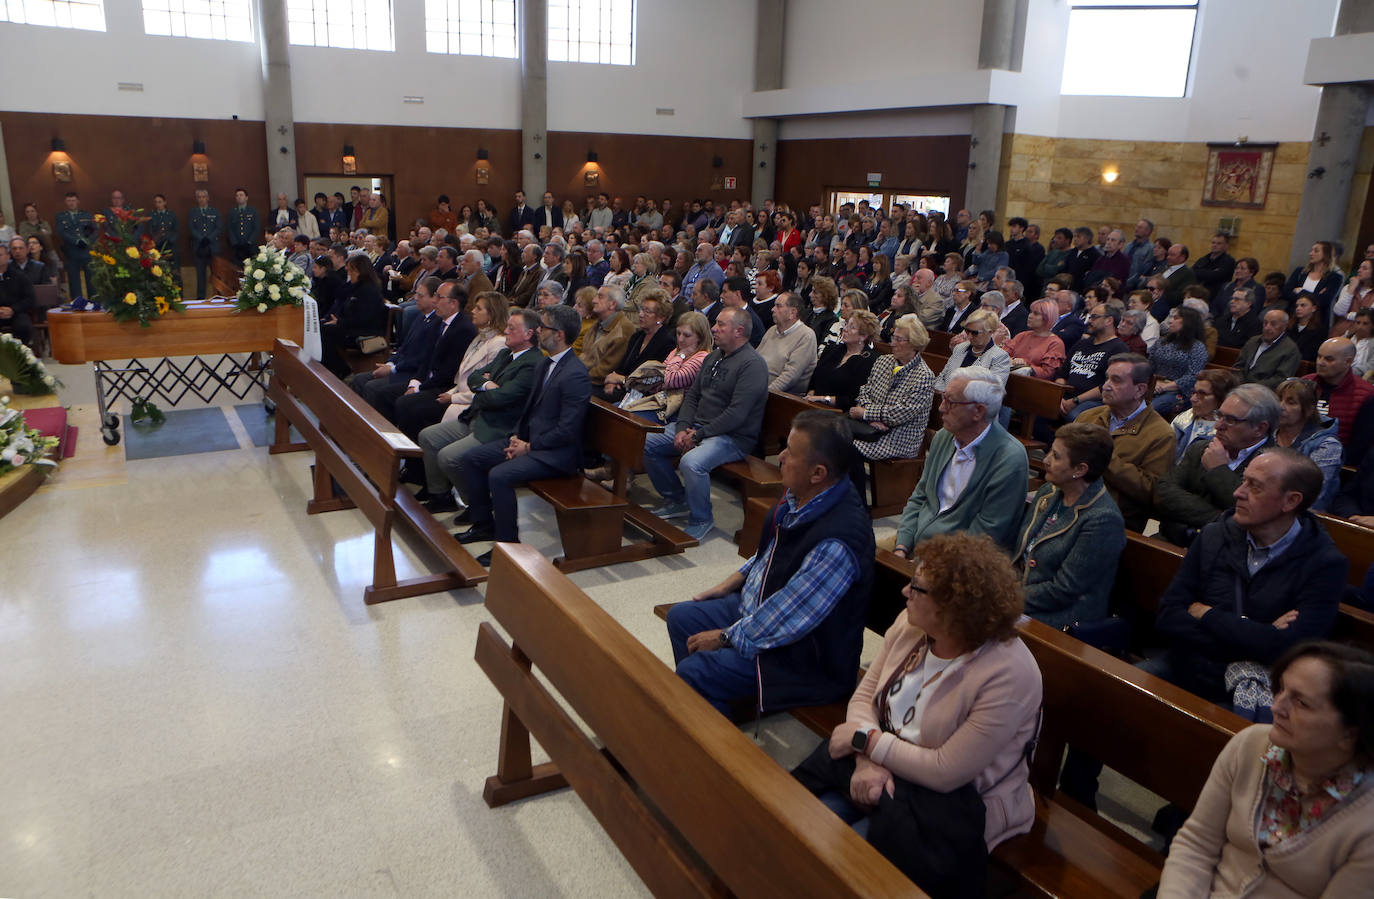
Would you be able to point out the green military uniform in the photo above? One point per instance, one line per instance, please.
(205, 225)
(76, 229)
(164, 229)
(245, 231)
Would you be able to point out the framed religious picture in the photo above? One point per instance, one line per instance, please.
(62, 170)
(1238, 175)
(591, 179)
(483, 174)
(200, 171)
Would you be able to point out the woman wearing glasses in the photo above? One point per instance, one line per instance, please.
(978, 350)
(930, 763)
(895, 400)
(962, 307)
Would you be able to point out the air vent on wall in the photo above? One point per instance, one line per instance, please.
(664, 110)
(136, 86)
(413, 99)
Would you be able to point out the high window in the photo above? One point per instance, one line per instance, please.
(88, 15)
(470, 27)
(345, 24)
(600, 31)
(1129, 48)
(224, 20)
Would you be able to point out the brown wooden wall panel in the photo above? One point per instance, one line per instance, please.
(140, 156)
(807, 167)
(661, 166)
(423, 162)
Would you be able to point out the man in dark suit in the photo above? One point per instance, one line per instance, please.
(548, 214)
(521, 216)
(35, 271)
(16, 299)
(436, 375)
(413, 352)
(547, 441)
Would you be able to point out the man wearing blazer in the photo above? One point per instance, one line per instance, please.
(975, 473)
(499, 392)
(412, 354)
(521, 216)
(547, 441)
(436, 375)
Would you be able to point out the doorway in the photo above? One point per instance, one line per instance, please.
(329, 184)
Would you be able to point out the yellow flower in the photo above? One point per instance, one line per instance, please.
(154, 254)
(131, 252)
(163, 307)
(99, 217)
(157, 271)
(131, 298)
(109, 260)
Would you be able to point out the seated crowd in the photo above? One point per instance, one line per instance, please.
(506, 327)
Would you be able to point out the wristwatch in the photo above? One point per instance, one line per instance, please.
(724, 640)
(863, 740)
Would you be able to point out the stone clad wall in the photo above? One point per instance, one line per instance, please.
(1058, 182)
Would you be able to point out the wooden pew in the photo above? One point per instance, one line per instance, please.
(1356, 543)
(693, 804)
(939, 343)
(592, 519)
(1032, 398)
(361, 451)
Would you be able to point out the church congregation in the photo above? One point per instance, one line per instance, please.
(975, 440)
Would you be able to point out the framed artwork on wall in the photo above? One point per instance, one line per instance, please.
(1238, 175)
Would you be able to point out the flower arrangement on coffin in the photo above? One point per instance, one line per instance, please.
(22, 369)
(128, 275)
(271, 280)
(20, 444)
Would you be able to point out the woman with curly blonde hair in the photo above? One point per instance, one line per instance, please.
(930, 764)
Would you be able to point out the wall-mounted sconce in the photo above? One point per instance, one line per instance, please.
(482, 153)
(198, 148)
(1110, 175)
(717, 162)
(61, 164)
(591, 156)
(350, 161)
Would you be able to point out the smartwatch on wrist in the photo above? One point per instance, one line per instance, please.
(863, 740)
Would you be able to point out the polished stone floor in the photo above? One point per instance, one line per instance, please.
(196, 701)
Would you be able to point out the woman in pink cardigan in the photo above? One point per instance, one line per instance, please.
(930, 764)
(1037, 351)
(1289, 808)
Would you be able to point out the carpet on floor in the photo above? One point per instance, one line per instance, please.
(184, 432)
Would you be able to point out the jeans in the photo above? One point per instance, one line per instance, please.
(1166, 403)
(444, 445)
(1082, 407)
(721, 676)
(694, 487)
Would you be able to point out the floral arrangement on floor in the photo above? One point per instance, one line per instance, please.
(271, 280)
(127, 274)
(20, 444)
(22, 369)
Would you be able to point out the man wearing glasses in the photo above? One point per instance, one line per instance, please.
(975, 473)
(1203, 484)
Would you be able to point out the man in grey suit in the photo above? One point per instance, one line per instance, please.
(547, 441)
(1271, 355)
(975, 474)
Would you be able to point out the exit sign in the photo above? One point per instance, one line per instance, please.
(731, 183)
(875, 179)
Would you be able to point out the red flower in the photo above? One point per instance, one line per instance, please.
(146, 263)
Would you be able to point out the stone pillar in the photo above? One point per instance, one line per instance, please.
(276, 92)
(768, 33)
(534, 98)
(6, 191)
(1334, 154)
(995, 51)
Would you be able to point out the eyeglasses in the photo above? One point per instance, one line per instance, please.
(973, 332)
(1095, 315)
(946, 401)
(961, 290)
(918, 589)
(1231, 420)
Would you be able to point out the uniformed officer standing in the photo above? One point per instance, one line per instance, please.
(165, 231)
(117, 203)
(76, 229)
(245, 228)
(206, 226)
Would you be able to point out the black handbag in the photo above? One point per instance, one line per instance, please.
(863, 430)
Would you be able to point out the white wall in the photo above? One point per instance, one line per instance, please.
(907, 123)
(1247, 74)
(842, 41)
(68, 71)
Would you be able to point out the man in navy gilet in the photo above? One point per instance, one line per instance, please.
(786, 629)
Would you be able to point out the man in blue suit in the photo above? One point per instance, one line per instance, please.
(547, 442)
(413, 352)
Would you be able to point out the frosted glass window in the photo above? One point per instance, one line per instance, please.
(470, 27)
(1140, 48)
(223, 20)
(87, 15)
(599, 31)
(344, 24)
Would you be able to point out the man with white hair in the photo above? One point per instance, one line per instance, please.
(598, 267)
(1015, 316)
(930, 306)
(1111, 264)
(606, 343)
(473, 278)
(975, 473)
(553, 264)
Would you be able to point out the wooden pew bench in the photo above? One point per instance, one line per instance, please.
(361, 451)
(694, 805)
(592, 519)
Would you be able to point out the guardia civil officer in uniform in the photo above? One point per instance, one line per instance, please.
(206, 226)
(77, 231)
(165, 231)
(244, 227)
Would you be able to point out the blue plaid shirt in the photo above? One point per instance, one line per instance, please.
(803, 602)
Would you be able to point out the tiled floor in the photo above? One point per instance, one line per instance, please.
(196, 702)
